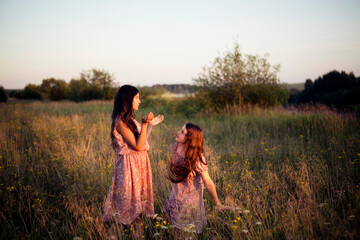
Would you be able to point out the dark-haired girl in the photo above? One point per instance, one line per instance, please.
(130, 194)
(184, 207)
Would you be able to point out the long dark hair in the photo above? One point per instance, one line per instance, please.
(123, 109)
(194, 150)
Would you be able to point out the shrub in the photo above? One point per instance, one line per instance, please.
(92, 84)
(55, 89)
(237, 79)
(3, 94)
(31, 91)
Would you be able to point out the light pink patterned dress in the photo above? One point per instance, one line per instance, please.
(130, 194)
(185, 204)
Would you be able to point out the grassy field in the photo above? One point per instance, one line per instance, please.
(290, 174)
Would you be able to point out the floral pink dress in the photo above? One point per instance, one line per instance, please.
(130, 194)
(185, 205)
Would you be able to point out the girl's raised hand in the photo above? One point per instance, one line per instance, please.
(157, 120)
(222, 208)
(148, 118)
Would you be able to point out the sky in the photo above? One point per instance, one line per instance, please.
(169, 42)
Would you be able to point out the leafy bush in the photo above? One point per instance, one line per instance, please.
(77, 90)
(31, 91)
(55, 89)
(3, 94)
(92, 84)
(265, 95)
(237, 79)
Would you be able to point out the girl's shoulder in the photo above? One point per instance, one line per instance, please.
(117, 129)
(121, 124)
(201, 164)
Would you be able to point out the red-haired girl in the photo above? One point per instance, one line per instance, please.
(188, 171)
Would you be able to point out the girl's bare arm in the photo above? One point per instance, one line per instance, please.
(210, 186)
(137, 144)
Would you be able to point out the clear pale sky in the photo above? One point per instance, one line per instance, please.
(166, 42)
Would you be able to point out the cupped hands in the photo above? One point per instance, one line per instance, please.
(157, 120)
(148, 118)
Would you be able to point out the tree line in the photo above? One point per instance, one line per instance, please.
(91, 85)
(232, 79)
(334, 89)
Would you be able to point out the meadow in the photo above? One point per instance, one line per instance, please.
(290, 174)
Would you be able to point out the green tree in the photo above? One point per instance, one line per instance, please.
(32, 91)
(92, 84)
(308, 84)
(54, 89)
(338, 89)
(100, 84)
(3, 94)
(78, 90)
(240, 79)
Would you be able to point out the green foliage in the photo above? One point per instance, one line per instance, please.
(78, 89)
(3, 94)
(265, 95)
(190, 106)
(236, 79)
(31, 91)
(337, 89)
(54, 89)
(92, 84)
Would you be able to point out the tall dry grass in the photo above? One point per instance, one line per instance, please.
(289, 174)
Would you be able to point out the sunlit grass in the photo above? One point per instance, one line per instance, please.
(289, 174)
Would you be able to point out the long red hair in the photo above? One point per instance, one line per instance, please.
(194, 150)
